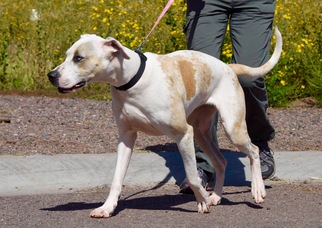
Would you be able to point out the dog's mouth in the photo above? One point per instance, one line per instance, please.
(72, 89)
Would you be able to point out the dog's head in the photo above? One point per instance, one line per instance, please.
(91, 58)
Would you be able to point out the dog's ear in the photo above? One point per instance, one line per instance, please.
(116, 46)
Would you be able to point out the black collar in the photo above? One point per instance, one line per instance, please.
(138, 75)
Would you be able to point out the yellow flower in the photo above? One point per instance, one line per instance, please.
(302, 86)
(306, 41)
(299, 49)
(281, 73)
(108, 11)
(283, 53)
(282, 82)
(104, 20)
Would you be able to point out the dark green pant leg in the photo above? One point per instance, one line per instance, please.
(203, 160)
(251, 23)
(206, 34)
(251, 32)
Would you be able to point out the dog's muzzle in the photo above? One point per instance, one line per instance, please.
(54, 76)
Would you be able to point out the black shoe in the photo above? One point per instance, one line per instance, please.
(267, 161)
(204, 178)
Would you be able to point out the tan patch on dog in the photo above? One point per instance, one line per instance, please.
(180, 71)
(91, 64)
(205, 77)
(177, 93)
(188, 77)
(239, 69)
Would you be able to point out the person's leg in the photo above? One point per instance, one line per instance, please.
(206, 26)
(251, 31)
(205, 30)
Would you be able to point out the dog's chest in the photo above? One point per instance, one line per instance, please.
(142, 119)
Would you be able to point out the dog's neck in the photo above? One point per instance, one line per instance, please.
(137, 76)
(127, 69)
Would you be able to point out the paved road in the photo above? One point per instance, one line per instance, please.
(48, 191)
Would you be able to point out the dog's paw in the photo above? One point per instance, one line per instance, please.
(258, 193)
(101, 212)
(214, 199)
(203, 207)
(258, 200)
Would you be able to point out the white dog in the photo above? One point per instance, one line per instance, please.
(176, 95)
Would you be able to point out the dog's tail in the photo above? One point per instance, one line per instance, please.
(245, 71)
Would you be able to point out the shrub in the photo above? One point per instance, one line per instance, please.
(34, 36)
(298, 73)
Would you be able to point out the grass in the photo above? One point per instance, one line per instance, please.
(31, 45)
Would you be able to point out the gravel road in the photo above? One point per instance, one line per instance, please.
(45, 125)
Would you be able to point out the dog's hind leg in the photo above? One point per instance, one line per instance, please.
(124, 151)
(233, 118)
(201, 120)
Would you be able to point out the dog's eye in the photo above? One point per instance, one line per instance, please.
(78, 58)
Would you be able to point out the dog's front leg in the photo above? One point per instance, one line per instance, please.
(124, 151)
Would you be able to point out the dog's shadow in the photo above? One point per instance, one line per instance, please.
(235, 171)
(163, 202)
(235, 176)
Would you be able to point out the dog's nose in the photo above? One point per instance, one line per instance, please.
(53, 77)
(54, 74)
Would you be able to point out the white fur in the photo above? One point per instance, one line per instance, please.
(176, 96)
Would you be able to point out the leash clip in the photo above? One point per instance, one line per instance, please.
(140, 48)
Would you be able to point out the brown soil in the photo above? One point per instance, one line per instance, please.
(44, 125)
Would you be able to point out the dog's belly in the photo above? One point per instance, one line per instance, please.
(145, 126)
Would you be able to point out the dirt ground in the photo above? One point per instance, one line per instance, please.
(44, 125)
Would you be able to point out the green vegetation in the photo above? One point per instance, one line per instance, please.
(34, 36)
